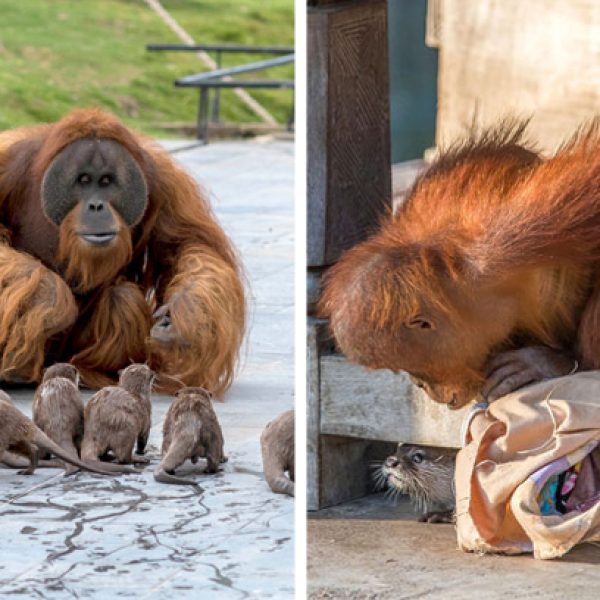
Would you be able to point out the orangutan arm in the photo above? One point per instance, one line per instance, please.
(200, 317)
(200, 324)
(35, 303)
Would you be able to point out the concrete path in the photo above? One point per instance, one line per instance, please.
(371, 549)
(94, 537)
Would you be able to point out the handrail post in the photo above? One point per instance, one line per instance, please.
(217, 98)
(202, 126)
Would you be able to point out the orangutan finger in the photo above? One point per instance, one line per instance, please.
(499, 375)
(501, 360)
(511, 384)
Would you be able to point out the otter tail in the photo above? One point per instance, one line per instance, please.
(113, 468)
(162, 476)
(281, 485)
(41, 440)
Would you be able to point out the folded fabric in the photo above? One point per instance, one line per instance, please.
(522, 442)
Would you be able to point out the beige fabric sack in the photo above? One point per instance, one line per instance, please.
(512, 449)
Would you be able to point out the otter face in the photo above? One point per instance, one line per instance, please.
(425, 473)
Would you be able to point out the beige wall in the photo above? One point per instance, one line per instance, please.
(519, 57)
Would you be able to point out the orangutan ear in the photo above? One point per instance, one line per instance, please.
(419, 322)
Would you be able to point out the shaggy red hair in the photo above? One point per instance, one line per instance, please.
(177, 253)
(489, 217)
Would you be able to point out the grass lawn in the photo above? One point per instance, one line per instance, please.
(60, 54)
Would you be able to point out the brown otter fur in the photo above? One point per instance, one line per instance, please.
(14, 461)
(58, 408)
(277, 445)
(426, 474)
(117, 418)
(191, 430)
(58, 412)
(20, 435)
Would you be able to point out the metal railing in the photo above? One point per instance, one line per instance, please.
(221, 78)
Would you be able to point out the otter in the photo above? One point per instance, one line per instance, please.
(58, 409)
(14, 461)
(117, 418)
(277, 446)
(20, 435)
(58, 412)
(426, 474)
(190, 430)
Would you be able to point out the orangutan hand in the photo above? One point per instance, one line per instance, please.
(509, 371)
(163, 330)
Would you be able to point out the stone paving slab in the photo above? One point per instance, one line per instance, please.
(89, 536)
(371, 549)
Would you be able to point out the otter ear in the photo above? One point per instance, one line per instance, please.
(419, 322)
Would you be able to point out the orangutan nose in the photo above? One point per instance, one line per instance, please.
(95, 205)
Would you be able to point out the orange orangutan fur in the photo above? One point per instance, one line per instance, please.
(35, 303)
(198, 269)
(177, 252)
(88, 267)
(494, 248)
(114, 334)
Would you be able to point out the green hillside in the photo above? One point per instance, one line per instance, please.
(59, 54)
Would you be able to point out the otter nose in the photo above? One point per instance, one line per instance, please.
(391, 462)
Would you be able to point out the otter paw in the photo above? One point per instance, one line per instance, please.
(437, 517)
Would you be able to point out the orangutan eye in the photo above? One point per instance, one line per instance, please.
(417, 457)
(105, 181)
(419, 322)
(418, 382)
(84, 179)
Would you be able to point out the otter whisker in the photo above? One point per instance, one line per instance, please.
(425, 474)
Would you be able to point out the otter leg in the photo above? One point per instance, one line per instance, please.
(142, 440)
(124, 455)
(91, 448)
(30, 451)
(212, 465)
(437, 517)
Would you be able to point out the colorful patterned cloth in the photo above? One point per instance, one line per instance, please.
(528, 479)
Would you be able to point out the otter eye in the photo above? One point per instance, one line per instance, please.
(417, 457)
(84, 179)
